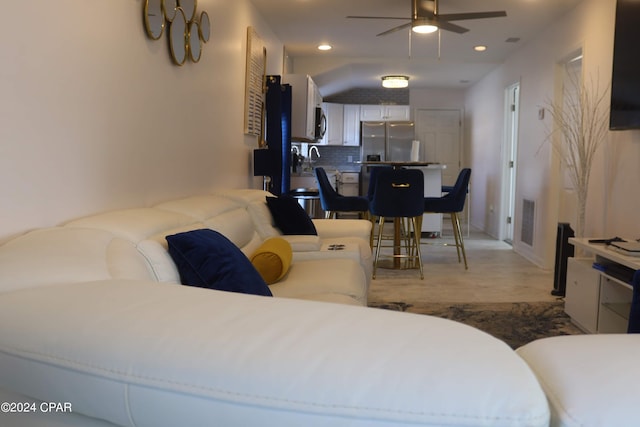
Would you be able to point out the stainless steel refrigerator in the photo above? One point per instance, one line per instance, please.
(384, 141)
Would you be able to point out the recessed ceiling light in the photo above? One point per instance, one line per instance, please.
(480, 48)
(325, 47)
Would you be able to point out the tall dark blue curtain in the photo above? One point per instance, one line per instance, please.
(634, 314)
(278, 133)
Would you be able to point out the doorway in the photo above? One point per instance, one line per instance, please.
(512, 108)
(440, 131)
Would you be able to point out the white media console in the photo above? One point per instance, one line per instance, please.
(598, 298)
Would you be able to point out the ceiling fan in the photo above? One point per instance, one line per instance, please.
(425, 18)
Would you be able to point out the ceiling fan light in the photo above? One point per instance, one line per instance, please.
(421, 26)
(395, 82)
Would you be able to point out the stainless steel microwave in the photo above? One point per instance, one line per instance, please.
(320, 124)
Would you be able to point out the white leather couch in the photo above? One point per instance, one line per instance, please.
(95, 330)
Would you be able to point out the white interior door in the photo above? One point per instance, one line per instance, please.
(439, 132)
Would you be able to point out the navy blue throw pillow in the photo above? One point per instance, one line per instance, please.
(207, 259)
(289, 216)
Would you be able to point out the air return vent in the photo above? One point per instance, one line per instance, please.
(528, 221)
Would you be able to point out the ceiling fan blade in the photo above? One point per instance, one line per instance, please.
(448, 26)
(426, 11)
(374, 17)
(394, 29)
(472, 15)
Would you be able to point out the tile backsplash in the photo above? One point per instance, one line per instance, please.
(371, 96)
(337, 156)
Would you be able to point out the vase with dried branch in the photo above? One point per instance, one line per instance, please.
(581, 120)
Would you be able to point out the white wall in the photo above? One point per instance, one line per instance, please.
(484, 122)
(94, 116)
(437, 98)
(610, 209)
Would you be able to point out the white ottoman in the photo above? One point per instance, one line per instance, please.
(589, 380)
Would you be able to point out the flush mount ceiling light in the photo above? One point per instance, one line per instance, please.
(324, 47)
(395, 82)
(480, 48)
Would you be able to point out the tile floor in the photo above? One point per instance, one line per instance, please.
(496, 274)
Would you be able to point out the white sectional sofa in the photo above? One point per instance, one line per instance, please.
(96, 330)
(244, 218)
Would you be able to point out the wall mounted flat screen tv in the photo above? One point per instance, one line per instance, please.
(625, 81)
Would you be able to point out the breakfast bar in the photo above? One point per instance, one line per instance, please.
(431, 222)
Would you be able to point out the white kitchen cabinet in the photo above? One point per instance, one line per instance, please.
(305, 98)
(351, 124)
(335, 123)
(343, 120)
(385, 112)
(582, 297)
(397, 112)
(370, 112)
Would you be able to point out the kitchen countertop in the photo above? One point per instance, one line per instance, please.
(406, 163)
(328, 169)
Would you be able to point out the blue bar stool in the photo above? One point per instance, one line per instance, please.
(373, 176)
(399, 194)
(453, 203)
(332, 202)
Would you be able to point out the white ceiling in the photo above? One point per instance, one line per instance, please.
(359, 58)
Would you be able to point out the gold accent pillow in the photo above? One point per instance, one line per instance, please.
(272, 259)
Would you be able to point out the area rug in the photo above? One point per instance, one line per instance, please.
(514, 323)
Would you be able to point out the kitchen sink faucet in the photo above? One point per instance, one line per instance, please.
(311, 150)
